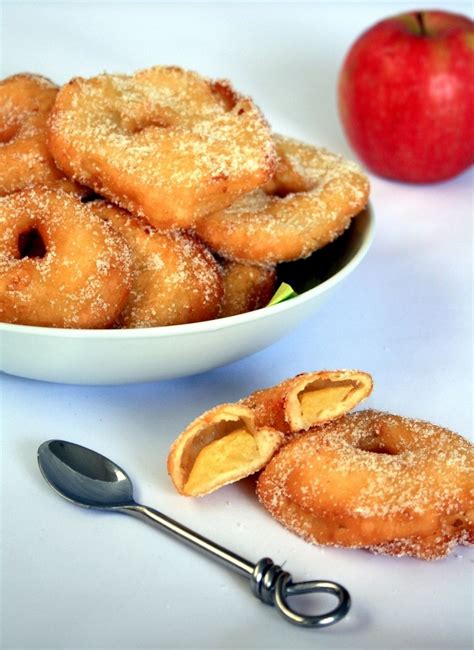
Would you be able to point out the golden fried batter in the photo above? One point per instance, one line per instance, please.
(309, 399)
(25, 104)
(164, 143)
(219, 447)
(175, 279)
(372, 480)
(309, 202)
(60, 264)
(232, 441)
(246, 287)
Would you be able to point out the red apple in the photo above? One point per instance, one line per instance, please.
(406, 96)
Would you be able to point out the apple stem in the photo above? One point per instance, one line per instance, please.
(421, 23)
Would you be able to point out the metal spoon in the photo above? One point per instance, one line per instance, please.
(88, 479)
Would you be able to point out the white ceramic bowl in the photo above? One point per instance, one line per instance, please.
(149, 354)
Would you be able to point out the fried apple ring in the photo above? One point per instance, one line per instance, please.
(232, 441)
(60, 264)
(175, 279)
(309, 399)
(220, 447)
(166, 144)
(25, 104)
(309, 202)
(393, 485)
(246, 287)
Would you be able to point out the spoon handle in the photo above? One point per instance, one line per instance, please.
(268, 581)
(234, 561)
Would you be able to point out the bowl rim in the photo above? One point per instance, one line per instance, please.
(216, 324)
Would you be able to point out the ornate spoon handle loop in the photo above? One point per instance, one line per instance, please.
(273, 586)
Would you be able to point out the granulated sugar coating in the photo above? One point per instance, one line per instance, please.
(60, 264)
(372, 480)
(186, 159)
(165, 143)
(175, 279)
(309, 202)
(25, 103)
(309, 399)
(246, 287)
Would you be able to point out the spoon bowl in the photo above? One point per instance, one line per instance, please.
(83, 476)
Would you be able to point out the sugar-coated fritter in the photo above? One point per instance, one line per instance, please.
(246, 287)
(25, 104)
(60, 264)
(165, 143)
(175, 279)
(309, 202)
(373, 480)
(231, 441)
(309, 399)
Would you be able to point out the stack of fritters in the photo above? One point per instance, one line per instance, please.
(204, 200)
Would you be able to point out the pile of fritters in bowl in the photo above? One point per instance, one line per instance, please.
(154, 199)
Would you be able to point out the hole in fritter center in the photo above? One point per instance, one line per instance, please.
(287, 180)
(91, 196)
(137, 121)
(31, 244)
(8, 133)
(158, 122)
(283, 187)
(225, 96)
(377, 446)
(281, 192)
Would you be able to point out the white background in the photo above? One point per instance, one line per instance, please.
(74, 578)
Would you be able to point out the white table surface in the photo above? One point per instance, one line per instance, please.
(74, 578)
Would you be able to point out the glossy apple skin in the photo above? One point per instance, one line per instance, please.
(406, 96)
